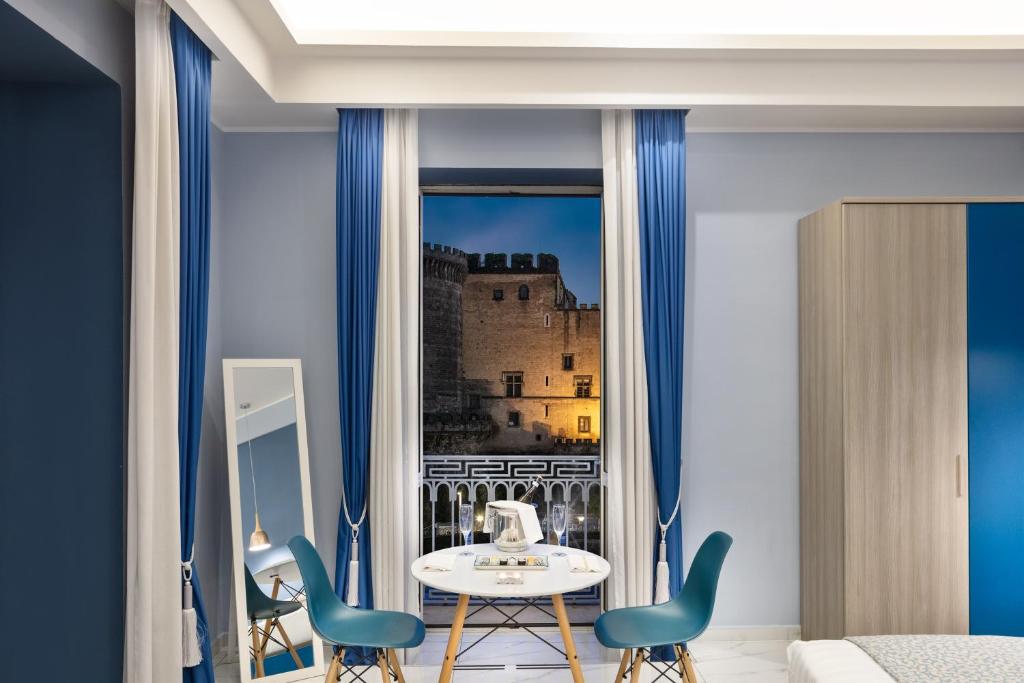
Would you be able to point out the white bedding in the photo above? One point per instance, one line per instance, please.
(833, 661)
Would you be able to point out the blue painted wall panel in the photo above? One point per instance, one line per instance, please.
(995, 340)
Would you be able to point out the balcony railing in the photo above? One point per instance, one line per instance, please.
(451, 479)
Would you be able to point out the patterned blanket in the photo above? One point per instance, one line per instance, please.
(947, 659)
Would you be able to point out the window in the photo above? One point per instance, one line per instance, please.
(568, 361)
(583, 424)
(513, 384)
(583, 385)
(498, 262)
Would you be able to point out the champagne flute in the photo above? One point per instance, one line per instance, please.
(559, 517)
(465, 524)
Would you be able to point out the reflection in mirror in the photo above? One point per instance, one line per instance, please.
(270, 506)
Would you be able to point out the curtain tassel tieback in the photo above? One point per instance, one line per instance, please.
(352, 592)
(191, 650)
(661, 575)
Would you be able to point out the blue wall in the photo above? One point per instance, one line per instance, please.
(995, 341)
(61, 404)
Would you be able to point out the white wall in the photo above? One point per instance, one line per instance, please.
(745, 194)
(276, 275)
(510, 138)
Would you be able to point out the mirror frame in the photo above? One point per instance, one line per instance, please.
(317, 670)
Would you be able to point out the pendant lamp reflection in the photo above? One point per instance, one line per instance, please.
(258, 540)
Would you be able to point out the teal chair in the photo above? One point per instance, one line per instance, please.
(674, 623)
(261, 607)
(347, 627)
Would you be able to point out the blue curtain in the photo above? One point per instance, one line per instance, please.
(192, 84)
(360, 145)
(661, 190)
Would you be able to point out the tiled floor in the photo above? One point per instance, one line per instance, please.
(510, 658)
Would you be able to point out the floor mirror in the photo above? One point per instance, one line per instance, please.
(268, 473)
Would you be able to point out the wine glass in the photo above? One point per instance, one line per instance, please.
(558, 521)
(465, 524)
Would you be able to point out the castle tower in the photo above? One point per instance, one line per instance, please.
(444, 272)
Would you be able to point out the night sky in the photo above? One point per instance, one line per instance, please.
(568, 227)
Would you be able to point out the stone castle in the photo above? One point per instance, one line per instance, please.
(511, 361)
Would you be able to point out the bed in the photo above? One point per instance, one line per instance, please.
(908, 659)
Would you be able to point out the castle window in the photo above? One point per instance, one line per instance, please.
(513, 384)
(583, 424)
(568, 361)
(524, 292)
(513, 418)
(583, 385)
(545, 410)
(547, 320)
(498, 294)
(473, 401)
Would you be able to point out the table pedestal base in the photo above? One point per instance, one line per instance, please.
(452, 653)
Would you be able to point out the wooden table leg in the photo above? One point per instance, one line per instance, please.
(627, 654)
(570, 645)
(288, 644)
(453, 639)
(393, 658)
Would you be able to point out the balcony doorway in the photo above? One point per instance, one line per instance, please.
(511, 371)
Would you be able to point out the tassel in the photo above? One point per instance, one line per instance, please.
(352, 595)
(191, 653)
(661, 575)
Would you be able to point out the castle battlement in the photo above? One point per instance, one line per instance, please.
(498, 263)
(442, 262)
(442, 251)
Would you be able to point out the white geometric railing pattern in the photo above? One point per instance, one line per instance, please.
(451, 479)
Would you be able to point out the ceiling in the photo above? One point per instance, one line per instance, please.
(603, 22)
(960, 69)
(261, 387)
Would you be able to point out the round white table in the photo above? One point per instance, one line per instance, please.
(466, 581)
(283, 572)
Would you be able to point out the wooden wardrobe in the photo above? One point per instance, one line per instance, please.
(883, 418)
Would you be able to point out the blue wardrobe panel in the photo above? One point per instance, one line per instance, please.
(995, 343)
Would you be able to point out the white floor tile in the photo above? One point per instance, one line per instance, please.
(761, 661)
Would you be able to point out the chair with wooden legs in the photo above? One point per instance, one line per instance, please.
(262, 608)
(347, 627)
(638, 630)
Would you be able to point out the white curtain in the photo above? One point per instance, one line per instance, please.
(153, 599)
(395, 437)
(631, 519)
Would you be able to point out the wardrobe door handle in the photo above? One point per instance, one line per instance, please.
(959, 478)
